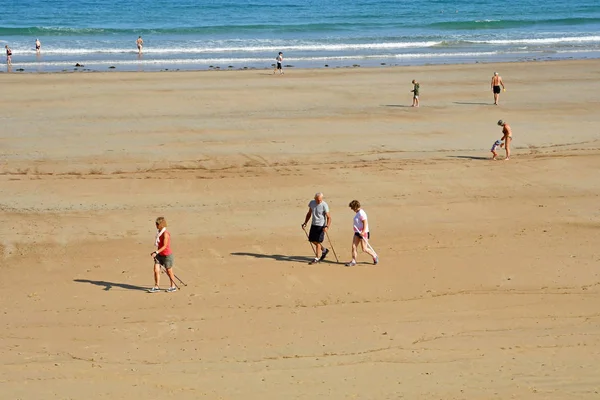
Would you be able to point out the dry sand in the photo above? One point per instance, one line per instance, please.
(488, 285)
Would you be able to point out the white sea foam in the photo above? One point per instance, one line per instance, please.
(254, 61)
(233, 49)
(580, 39)
(193, 48)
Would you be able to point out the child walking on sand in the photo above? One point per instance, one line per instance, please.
(497, 143)
(163, 256)
(415, 93)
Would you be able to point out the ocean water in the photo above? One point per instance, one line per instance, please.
(234, 34)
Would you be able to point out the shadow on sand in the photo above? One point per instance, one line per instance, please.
(396, 105)
(473, 104)
(109, 285)
(281, 257)
(472, 157)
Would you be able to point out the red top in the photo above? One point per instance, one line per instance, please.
(161, 243)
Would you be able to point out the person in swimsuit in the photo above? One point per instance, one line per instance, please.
(38, 45)
(496, 82)
(278, 66)
(506, 137)
(163, 256)
(140, 44)
(8, 55)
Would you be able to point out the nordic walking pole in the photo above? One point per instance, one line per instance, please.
(165, 270)
(331, 244)
(185, 284)
(369, 244)
(311, 245)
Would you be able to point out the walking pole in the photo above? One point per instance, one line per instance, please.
(368, 244)
(165, 271)
(311, 245)
(185, 284)
(331, 244)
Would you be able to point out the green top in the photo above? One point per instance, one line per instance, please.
(416, 89)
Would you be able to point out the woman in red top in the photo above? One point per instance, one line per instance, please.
(163, 255)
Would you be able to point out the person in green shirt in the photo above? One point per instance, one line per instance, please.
(415, 93)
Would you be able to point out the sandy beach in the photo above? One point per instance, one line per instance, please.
(488, 284)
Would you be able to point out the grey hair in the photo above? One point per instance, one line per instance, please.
(318, 194)
(495, 73)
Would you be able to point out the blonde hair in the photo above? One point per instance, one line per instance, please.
(161, 222)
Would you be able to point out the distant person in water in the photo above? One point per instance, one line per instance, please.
(140, 44)
(38, 45)
(279, 65)
(8, 55)
(496, 83)
(415, 93)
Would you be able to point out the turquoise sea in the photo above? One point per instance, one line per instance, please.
(203, 34)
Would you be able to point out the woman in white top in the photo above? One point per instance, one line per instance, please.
(361, 234)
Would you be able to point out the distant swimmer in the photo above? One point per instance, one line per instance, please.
(38, 45)
(279, 65)
(8, 55)
(415, 93)
(496, 83)
(140, 44)
(506, 137)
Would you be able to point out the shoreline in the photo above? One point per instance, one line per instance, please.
(198, 65)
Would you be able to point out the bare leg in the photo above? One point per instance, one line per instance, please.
(366, 249)
(318, 249)
(507, 147)
(417, 102)
(156, 275)
(355, 240)
(171, 276)
(496, 98)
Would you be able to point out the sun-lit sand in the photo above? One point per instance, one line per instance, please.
(488, 285)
